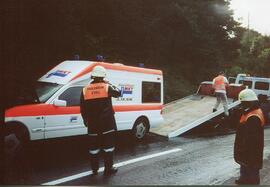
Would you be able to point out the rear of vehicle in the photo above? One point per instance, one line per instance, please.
(141, 101)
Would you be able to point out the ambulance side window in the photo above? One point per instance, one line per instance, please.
(262, 86)
(151, 92)
(72, 96)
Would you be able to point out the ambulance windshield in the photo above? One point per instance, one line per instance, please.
(45, 90)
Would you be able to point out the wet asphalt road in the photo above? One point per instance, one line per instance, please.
(203, 159)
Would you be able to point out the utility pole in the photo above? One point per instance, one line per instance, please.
(248, 27)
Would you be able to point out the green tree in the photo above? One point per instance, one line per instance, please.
(254, 53)
(189, 40)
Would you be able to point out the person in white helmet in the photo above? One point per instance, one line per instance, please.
(219, 84)
(249, 139)
(98, 115)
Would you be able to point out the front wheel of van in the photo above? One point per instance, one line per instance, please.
(16, 140)
(17, 157)
(140, 128)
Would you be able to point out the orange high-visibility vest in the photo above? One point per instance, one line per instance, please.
(219, 83)
(258, 112)
(95, 91)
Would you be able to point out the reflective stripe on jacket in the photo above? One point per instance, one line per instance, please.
(258, 113)
(96, 91)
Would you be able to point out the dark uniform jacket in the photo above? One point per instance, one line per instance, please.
(98, 114)
(249, 142)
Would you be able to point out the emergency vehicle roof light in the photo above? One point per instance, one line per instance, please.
(141, 65)
(77, 57)
(100, 58)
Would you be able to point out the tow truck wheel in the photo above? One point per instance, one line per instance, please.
(140, 128)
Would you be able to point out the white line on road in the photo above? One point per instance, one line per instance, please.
(84, 174)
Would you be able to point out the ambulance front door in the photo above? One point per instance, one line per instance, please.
(67, 120)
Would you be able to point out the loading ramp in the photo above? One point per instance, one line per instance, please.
(184, 114)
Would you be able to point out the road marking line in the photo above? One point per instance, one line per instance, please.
(84, 174)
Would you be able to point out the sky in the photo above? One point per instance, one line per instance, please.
(259, 14)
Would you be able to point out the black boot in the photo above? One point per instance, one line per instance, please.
(110, 171)
(242, 181)
(250, 181)
(94, 173)
(214, 110)
(108, 163)
(94, 161)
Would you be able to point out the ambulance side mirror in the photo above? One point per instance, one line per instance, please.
(59, 102)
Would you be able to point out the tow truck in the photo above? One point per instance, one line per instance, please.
(189, 112)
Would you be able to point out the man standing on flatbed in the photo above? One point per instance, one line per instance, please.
(219, 84)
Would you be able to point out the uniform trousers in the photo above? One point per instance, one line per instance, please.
(102, 144)
(221, 97)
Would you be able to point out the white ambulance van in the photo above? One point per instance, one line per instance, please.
(260, 85)
(57, 112)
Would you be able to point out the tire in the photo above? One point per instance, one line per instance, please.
(140, 128)
(16, 140)
(17, 161)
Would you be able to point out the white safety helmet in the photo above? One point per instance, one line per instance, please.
(99, 71)
(247, 95)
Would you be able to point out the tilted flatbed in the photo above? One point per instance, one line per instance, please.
(184, 114)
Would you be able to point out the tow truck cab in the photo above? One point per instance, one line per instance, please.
(260, 85)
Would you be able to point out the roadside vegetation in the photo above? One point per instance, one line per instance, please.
(190, 40)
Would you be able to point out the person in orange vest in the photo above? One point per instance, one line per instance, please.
(249, 139)
(98, 115)
(219, 84)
